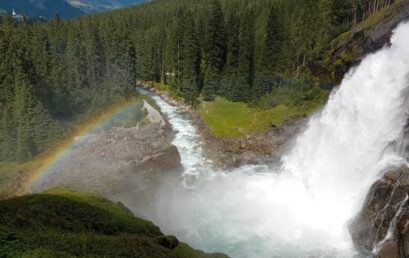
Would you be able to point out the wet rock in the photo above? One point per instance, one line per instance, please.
(389, 249)
(163, 160)
(381, 228)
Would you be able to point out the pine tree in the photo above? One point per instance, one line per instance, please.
(190, 62)
(214, 49)
(273, 42)
(23, 114)
(95, 58)
(233, 40)
(246, 55)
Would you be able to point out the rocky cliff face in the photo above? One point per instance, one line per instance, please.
(381, 229)
(350, 48)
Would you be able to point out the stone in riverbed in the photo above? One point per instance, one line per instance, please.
(163, 160)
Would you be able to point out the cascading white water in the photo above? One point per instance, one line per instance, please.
(186, 140)
(302, 209)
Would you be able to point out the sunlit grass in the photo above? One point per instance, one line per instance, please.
(235, 119)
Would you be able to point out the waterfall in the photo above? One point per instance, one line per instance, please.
(301, 209)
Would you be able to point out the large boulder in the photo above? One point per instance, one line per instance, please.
(381, 228)
(163, 160)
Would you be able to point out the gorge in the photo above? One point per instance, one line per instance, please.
(301, 207)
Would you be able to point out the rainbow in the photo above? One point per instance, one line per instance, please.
(46, 160)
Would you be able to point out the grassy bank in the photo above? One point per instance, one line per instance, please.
(234, 119)
(63, 223)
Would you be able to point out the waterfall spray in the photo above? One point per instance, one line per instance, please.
(303, 208)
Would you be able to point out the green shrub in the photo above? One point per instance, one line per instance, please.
(291, 92)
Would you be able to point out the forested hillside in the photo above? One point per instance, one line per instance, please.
(256, 51)
(55, 74)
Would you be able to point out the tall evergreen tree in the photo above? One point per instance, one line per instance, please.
(214, 49)
(23, 115)
(190, 61)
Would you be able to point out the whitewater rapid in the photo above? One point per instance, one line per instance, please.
(303, 208)
(187, 140)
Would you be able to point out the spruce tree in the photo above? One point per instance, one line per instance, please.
(23, 115)
(246, 55)
(214, 49)
(190, 62)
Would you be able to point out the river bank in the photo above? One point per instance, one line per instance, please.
(233, 152)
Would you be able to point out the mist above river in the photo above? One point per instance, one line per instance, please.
(303, 208)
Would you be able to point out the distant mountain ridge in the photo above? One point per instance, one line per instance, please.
(91, 6)
(64, 8)
(45, 8)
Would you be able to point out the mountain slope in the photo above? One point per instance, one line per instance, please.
(64, 8)
(45, 8)
(62, 223)
(91, 6)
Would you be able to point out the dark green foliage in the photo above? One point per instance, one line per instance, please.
(246, 50)
(214, 48)
(56, 73)
(188, 58)
(291, 92)
(69, 224)
(52, 75)
(273, 41)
